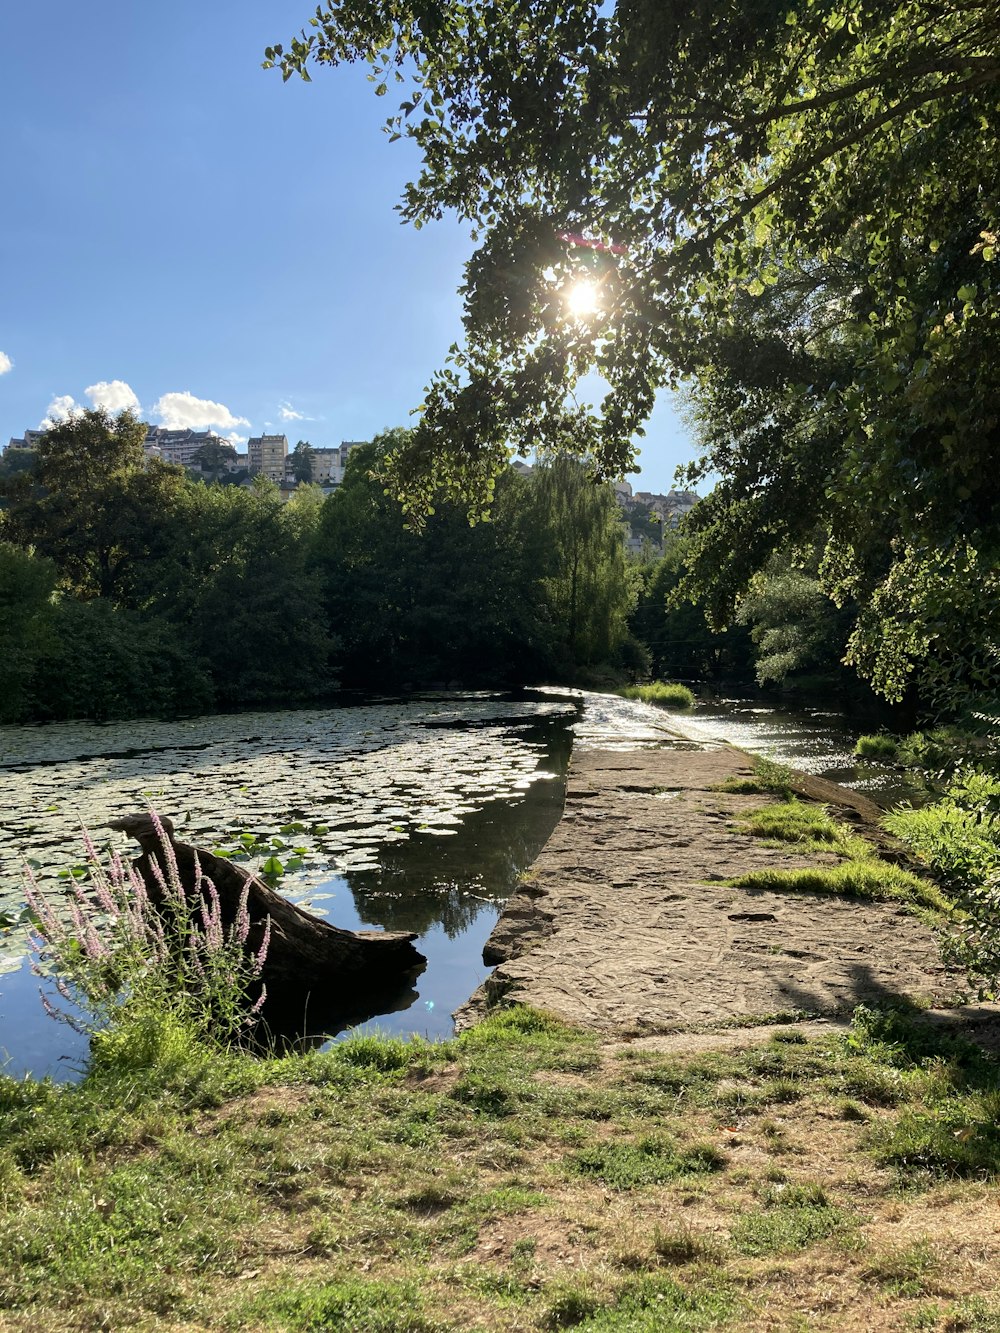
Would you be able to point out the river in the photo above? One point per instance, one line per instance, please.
(417, 814)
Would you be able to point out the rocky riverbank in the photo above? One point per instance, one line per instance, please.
(625, 923)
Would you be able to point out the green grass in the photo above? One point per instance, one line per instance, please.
(375, 1307)
(522, 1175)
(859, 879)
(806, 824)
(770, 778)
(791, 1218)
(878, 746)
(665, 693)
(649, 1161)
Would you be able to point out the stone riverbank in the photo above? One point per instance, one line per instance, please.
(624, 923)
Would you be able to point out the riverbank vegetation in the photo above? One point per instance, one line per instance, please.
(129, 589)
(522, 1176)
(667, 693)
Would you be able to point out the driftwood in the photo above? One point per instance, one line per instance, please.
(311, 966)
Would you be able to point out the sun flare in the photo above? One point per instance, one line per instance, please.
(583, 298)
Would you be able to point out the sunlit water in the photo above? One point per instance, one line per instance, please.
(415, 815)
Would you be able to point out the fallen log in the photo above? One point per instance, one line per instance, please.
(311, 965)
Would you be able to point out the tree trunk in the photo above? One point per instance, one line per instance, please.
(311, 966)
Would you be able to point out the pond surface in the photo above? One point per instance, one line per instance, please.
(409, 815)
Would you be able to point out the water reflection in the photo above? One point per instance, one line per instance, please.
(420, 815)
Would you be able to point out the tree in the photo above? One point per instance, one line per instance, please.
(797, 634)
(95, 504)
(452, 602)
(812, 182)
(588, 582)
(27, 585)
(675, 631)
(236, 589)
(214, 457)
(303, 461)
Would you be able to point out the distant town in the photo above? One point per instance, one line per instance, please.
(210, 456)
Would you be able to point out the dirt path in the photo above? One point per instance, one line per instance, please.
(623, 924)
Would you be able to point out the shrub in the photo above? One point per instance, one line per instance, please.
(959, 838)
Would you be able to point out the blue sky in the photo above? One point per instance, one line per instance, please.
(182, 229)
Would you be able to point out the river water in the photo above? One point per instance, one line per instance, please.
(409, 815)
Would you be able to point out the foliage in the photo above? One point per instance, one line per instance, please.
(95, 505)
(669, 694)
(876, 747)
(104, 662)
(589, 586)
(541, 589)
(675, 630)
(958, 837)
(794, 628)
(792, 205)
(303, 462)
(214, 457)
(122, 956)
(27, 584)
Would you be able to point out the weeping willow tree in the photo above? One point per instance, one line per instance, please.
(589, 586)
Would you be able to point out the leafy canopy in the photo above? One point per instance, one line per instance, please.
(791, 203)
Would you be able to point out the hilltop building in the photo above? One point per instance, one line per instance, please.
(178, 446)
(267, 454)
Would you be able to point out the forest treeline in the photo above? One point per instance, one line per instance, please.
(127, 588)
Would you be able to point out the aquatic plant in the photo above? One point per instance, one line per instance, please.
(117, 954)
(876, 747)
(667, 693)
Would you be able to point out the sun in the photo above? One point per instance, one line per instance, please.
(583, 298)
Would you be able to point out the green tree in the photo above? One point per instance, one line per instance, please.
(27, 585)
(815, 175)
(104, 662)
(236, 587)
(799, 637)
(453, 602)
(214, 457)
(95, 504)
(590, 585)
(303, 462)
(680, 641)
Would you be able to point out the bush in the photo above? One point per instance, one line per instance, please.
(959, 838)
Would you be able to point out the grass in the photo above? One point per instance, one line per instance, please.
(878, 746)
(861, 873)
(523, 1176)
(666, 693)
(859, 879)
(769, 779)
(806, 824)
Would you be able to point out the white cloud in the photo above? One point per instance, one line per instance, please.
(5, 363)
(288, 413)
(59, 410)
(179, 411)
(115, 395)
(235, 438)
